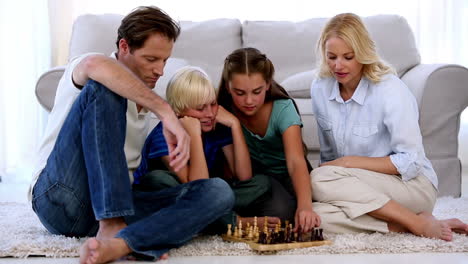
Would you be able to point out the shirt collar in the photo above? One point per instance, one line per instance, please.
(358, 96)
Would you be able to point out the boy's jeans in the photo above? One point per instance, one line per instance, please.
(86, 179)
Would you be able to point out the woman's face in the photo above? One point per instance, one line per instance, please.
(206, 113)
(248, 92)
(342, 62)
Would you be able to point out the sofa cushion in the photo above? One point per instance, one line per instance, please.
(94, 33)
(172, 65)
(291, 45)
(298, 85)
(206, 44)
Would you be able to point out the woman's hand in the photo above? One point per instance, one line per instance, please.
(306, 219)
(340, 162)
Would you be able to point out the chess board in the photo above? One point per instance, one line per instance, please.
(278, 238)
(274, 247)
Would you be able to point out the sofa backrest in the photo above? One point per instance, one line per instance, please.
(290, 45)
(204, 44)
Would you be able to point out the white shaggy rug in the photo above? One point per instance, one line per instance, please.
(22, 235)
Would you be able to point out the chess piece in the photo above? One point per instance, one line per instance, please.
(229, 231)
(240, 229)
(250, 234)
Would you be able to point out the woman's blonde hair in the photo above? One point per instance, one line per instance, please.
(350, 28)
(190, 87)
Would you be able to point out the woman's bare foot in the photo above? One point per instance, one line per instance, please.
(457, 225)
(94, 251)
(108, 228)
(433, 228)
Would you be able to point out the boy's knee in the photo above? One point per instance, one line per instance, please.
(220, 192)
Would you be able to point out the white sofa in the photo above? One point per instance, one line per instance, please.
(441, 90)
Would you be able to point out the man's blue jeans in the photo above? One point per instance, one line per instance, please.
(86, 179)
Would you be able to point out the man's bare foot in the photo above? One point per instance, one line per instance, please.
(94, 251)
(164, 256)
(457, 225)
(133, 258)
(433, 228)
(108, 228)
(272, 221)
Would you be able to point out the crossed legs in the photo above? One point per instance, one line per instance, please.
(356, 200)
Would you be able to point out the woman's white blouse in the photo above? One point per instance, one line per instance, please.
(378, 120)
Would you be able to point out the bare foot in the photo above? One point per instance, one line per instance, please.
(164, 256)
(457, 225)
(94, 251)
(272, 221)
(108, 228)
(433, 228)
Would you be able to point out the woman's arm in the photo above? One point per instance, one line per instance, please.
(297, 169)
(237, 154)
(379, 164)
(196, 168)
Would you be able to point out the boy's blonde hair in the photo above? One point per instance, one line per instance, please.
(190, 87)
(350, 28)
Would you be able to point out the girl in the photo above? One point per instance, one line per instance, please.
(272, 128)
(374, 175)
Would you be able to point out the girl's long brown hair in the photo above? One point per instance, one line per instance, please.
(249, 61)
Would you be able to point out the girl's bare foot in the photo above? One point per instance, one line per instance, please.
(94, 251)
(433, 228)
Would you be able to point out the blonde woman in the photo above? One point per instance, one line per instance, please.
(374, 175)
(217, 147)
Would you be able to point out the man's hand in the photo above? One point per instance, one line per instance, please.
(178, 142)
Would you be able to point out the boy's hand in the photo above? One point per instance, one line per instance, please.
(192, 125)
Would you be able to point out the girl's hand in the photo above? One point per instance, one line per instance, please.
(191, 125)
(306, 218)
(225, 117)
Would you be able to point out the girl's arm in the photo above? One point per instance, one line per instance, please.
(297, 169)
(196, 168)
(237, 154)
(377, 164)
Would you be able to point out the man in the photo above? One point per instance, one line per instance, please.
(92, 145)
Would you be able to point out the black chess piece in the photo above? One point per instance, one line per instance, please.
(320, 234)
(262, 238)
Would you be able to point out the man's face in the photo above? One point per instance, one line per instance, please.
(148, 61)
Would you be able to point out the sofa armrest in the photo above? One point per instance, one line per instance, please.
(46, 86)
(442, 94)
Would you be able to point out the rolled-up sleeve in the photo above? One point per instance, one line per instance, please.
(401, 119)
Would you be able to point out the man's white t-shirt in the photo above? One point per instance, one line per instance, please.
(67, 92)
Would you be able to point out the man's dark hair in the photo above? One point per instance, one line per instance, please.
(144, 21)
